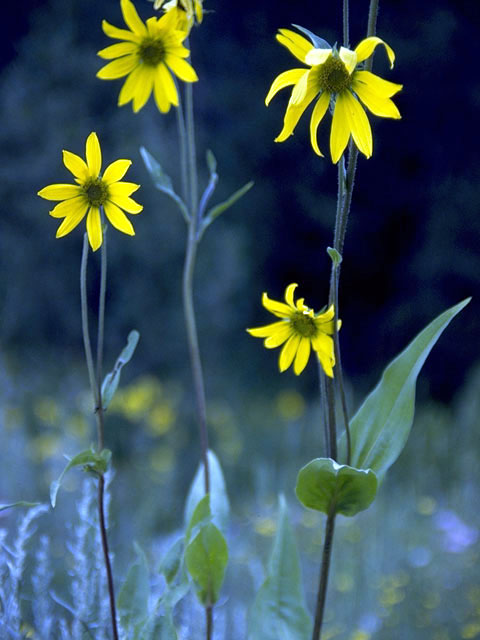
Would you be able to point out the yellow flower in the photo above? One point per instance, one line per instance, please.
(333, 77)
(147, 56)
(187, 11)
(300, 329)
(93, 192)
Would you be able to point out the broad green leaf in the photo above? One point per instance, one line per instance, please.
(133, 597)
(318, 43)
(90, 460)
(381, 426)
(279, 611)
(218, 209)
(27, 505)
(173, 568)
(162, 181)
(218, 494)
(172, 561)
(325, 485)
(201, 515)
(206, 558)
(112, 379)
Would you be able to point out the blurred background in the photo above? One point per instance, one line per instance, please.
(412, 250)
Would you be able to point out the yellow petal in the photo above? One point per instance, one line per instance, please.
(119, 34)
(383, 107)
(144, 88)
(288, 352)
(115, 171)
(285, 79)
(366, 47)
(129, 88)
(160, 95)
(327, 364)
(181, 68)
(70, 222)
(317, 56)
(122, 189)
(340, 132)
(279, 337)
(132, 19)
(126, 203)
(278, 309)
(289, 291)
(94, 228)
(118, 68)
(296, 44)
(198, 11)
(93, 154)
(70, 207)
(323, 346)
(59, 191)
(303, 354)
(268, 330)
(383, 88)
(165, 77)
(317, 115)
(118, 219)
(75, 165)
(117, 50)
(299, 91)
(294, 112)
(349, 59)
(358, 124)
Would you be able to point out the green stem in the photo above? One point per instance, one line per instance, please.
(322, 587)
(182, 135)
(101, 311)
(95, 385)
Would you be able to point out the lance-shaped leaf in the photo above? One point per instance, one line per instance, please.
(318, 43)
(381, 426)
(22, 503)
(325, 485)
(112, 379)
(173, 569)
(133, 597)
(218, 493)
(218, 209)
(90, 460)
(162, 181)
(279, 610)
(206, 558)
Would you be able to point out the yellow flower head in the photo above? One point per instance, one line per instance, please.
(334, 77)
(187, 11)
(93, 192)
(300, 329)
(147, 56)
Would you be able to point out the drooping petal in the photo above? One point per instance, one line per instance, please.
(319, 111)
(379, 106)
(144, 88)
(94, 228)
(296, 44)
(132, 19)
(288, 352)
(93, 153)
(285, 79)
(181, 68)
(71, 222)
(358, 124)
(118, 219)
(366, 47)
(60, 191)
(117, 50)
(119, 34)
(294, 112)
(75, 165)
(118, 68)
(126, 203)
(323, 346)
(269, 329)
(69, 207)
(383, 88)
(349, 59)
(317, 56)
(115, 171)
(168, 84)
(303, 354)
(130, 86)
(299, 91)
(289, 291)
(278, 309)
(160, 95)
(340, 132)
(279, 337)
(122, 189)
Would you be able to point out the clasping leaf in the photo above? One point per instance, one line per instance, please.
(91, 461)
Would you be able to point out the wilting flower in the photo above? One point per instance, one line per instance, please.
(187, 11)
(335, 78)
(147, 56)
(93, 192)
(300, 329)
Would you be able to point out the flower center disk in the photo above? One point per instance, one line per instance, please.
(151, 52)
(96, 192)
(333, 76)
(303, 324)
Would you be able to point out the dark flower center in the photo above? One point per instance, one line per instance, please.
(96, 191)
(333, 76)
(151, 52)
(303, 324)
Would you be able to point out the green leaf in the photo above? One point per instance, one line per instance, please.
(381, 426)
(279, 611)
(162, 181)
(91, 461)
(318, 43)
(132, 600)
(218, 493)
(335, 256)
(112, 379)
(163, 627)
(173, 568)
(27, 505)
(325, 485)
(211, 162)
(206, 558)
(201, 515)
(218, 209)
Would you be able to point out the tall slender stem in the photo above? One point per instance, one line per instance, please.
(101, 309)
(182, 136)
(322, 587)
(95, 384)
(346, 37)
